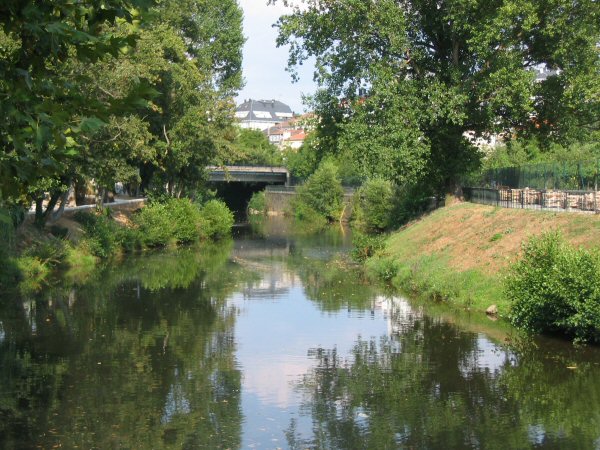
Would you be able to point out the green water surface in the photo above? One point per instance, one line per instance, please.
(274, 340)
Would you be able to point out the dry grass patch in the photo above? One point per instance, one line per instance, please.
(487, 238)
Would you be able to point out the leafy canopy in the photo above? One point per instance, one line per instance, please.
(408, 78)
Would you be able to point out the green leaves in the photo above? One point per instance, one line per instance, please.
(556, 288)
(414, 77)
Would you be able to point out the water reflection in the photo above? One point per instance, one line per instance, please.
(275, 340)
(141, 357)
(431, 385)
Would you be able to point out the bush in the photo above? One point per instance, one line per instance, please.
(555, 288)
(179, 221)
(48, 250)
(322, 193)
(373, 205)
(186, 220)
(103, 236)
(218, 219)
(365, 246)
(32, 272)
(411, 202)
(154, 225)
(175, 220)
(257, 204)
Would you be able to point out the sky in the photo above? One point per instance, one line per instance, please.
(264, 64)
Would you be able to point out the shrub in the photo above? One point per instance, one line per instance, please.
(365, 246)
(102, 234)
(556, 288)
(33, 273)
(218, 219)
(385, 269)
(257, 204)
(374, 204)
(181, 221)
(154, 225)
(322, 192)
(48, 250)
(185, 218)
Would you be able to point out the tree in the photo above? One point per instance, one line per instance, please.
(109, 93)
(43, 113)
(415, 75)
(253, 147)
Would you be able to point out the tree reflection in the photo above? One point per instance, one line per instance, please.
(432, 386)
(141, 357)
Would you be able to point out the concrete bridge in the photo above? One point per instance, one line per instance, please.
(249, 174)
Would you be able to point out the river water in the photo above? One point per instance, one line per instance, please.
(274, 341)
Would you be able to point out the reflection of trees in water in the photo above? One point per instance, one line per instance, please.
(333, 284)
(142, 357)
(431, 387)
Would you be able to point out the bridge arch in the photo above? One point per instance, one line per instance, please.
(236, 184)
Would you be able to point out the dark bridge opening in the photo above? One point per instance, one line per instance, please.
(236, 184)
(237, 195)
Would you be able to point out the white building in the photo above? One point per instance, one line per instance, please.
(262, 114)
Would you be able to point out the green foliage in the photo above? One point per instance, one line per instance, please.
(322, 194)
(520, 152)
(415, 76)
(155, 225)
(411, 202)
(218, 219)
(49, 250)
(365, 246)
(309, 218)
(103, 237)
(134, 91)
(373, 205)
(180, 221)
(46, 106)
(303, 162)
(33, 273)
(555, 288)
(252, 147)
(257, 204)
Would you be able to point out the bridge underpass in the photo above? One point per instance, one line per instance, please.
(236, 184)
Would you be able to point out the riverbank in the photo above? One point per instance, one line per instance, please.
(460, 254)
(79, 242)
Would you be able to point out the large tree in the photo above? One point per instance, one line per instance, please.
(42, 112)
(124, 91)
(413, 76)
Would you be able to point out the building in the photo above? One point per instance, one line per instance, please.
(262, 114)
(291, 133)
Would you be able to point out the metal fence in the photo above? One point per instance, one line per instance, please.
(549, 200)
(567, 176)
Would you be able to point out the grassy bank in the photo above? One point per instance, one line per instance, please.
(460, 254)
(78, 244)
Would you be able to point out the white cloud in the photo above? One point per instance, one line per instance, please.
(264, 64)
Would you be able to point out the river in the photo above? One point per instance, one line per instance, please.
(274, 340)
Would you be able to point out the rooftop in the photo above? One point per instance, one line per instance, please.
(263, 111)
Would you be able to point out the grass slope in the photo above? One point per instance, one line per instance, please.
(460, 254)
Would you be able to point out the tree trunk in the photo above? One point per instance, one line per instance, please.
(454, 194)
(63, 202)
(41, 215)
